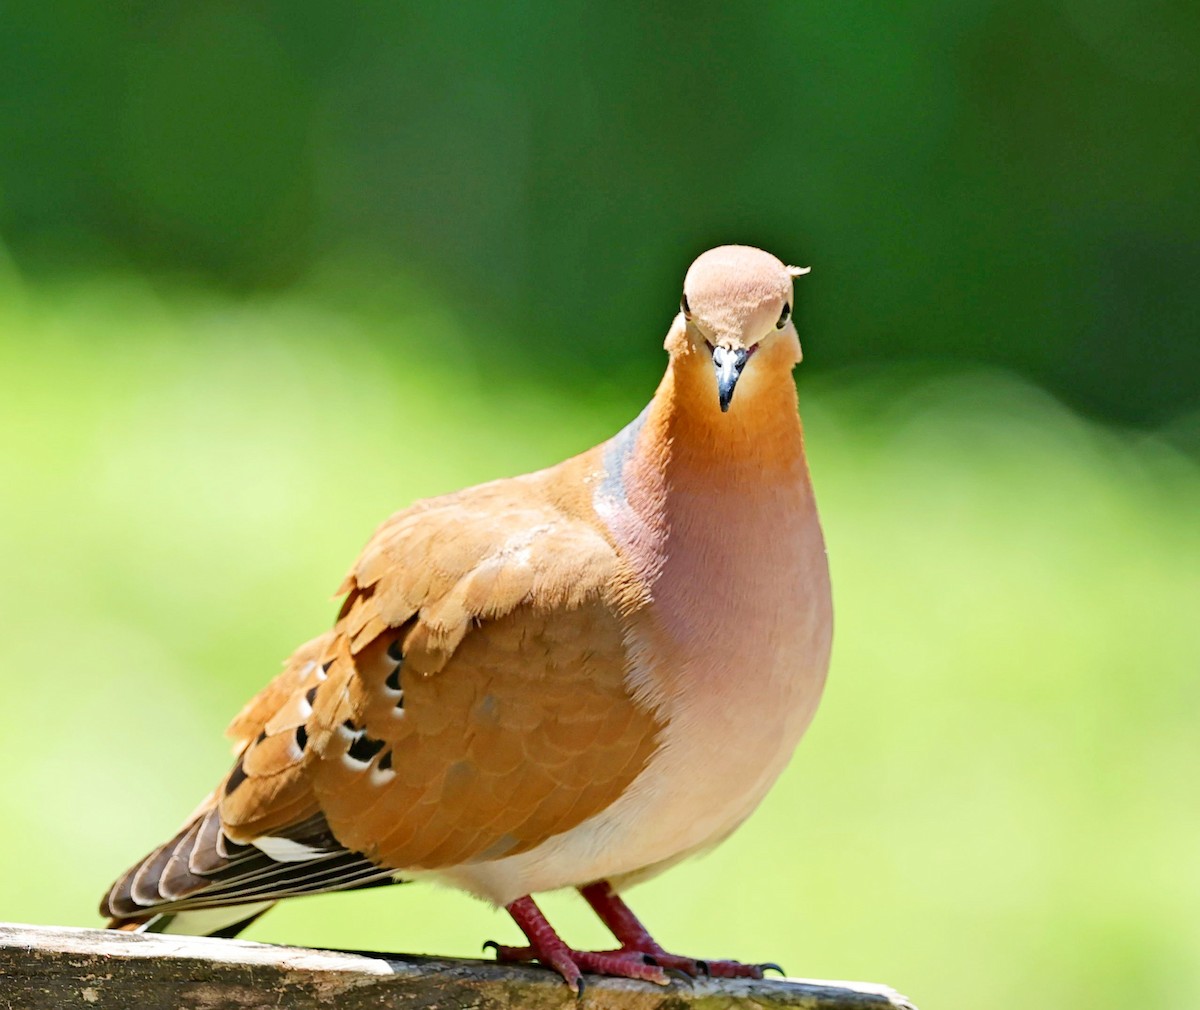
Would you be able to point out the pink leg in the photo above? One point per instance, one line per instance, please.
(546, 946)
(634, 937)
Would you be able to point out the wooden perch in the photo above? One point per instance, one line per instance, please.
(55, 968)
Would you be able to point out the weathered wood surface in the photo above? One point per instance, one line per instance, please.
(56, 968)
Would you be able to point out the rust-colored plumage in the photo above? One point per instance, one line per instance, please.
(527, 679)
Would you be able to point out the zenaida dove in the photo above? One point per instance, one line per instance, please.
(573, 678)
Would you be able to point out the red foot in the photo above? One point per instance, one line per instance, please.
(617, 963)
(638, 957)
(545, 945)
(644, 965)
(627, 928)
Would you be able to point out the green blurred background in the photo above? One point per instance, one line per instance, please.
(269, 271)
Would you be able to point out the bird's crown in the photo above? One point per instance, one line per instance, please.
(736, 294)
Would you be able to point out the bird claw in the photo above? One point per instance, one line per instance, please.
(632, 964)
(510, 955)
(696, 968)
(657, 967)
(638, 957)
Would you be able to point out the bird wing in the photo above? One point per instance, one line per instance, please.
(470, 702)
(203, 866)
(481, 664)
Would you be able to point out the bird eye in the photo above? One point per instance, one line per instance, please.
(685, 308)
(784, 316)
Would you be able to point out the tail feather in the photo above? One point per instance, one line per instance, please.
(189, 884)
(225, 922)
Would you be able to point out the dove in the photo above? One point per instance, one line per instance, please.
(574, 678)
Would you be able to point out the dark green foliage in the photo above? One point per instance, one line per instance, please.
(1011, 184)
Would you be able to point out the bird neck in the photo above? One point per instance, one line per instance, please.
(684, 469)
(687, 438)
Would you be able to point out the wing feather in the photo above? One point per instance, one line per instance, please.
(471, 701)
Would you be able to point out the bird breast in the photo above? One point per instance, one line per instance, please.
(731, 649)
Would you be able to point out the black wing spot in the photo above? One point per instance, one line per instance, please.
(385, 762)
(310, 696)
(396, 652)
(301, 738)
(236, 777)
(325, 666)
(349, 724)
(364, 749)
(393, 680)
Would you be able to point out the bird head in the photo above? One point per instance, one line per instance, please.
(735, 320)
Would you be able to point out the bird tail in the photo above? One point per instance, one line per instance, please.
(204, 884)
(225, 922)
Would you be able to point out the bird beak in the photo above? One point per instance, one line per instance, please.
(729, 362)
